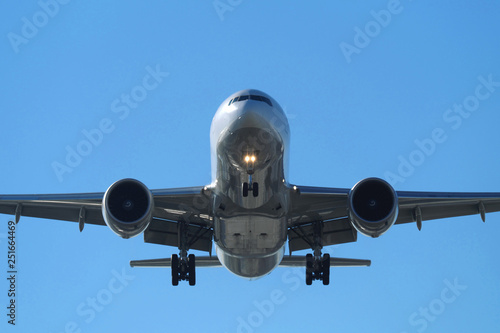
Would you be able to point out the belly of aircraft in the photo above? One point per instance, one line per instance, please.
(250, 246)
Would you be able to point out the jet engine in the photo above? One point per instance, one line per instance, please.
(127, 207)
(373, 206)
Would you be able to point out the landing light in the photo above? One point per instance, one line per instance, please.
(250, 158)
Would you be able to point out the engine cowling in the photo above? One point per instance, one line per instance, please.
(373, 206)
(127, 207)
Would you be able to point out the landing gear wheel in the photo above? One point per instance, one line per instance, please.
(175, 269)
(255, 189)
(245, 189)
(325, 267)
(192, 270)
(309, 269)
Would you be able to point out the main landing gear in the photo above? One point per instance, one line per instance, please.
(318, 268)
(317, 265)
(184, 265)
(183, 269)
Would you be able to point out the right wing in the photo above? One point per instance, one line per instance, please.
(77, 207)
(187, 208)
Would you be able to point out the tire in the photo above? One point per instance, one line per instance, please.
(309, 269)
(245, 189)
(192, 269)
(326, 269)
(175, 269)
(255, 189)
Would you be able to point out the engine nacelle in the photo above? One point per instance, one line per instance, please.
(127, 207)
(373, 206)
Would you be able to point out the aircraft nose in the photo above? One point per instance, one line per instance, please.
(252, 118)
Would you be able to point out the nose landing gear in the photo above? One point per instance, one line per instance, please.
(250, 186)
(253, 187)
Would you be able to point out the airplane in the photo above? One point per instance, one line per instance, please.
(250, 210)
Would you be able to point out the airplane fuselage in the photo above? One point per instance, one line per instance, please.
(249, 142)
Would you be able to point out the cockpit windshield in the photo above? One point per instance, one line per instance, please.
(252, 97)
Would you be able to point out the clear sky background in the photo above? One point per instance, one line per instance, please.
(361, 89)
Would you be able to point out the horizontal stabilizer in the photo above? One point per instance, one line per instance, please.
(300, 261)
(166, 262)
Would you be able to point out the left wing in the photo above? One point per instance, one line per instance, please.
(172, 207)
(329, 207)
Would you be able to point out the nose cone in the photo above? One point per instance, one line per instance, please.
(250, 117)
(249, 108)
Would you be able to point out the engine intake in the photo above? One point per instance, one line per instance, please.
(127, 207)
(373, 206)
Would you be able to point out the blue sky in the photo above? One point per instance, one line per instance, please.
(408, 91)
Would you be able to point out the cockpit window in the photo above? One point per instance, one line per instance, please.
(252, 97)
